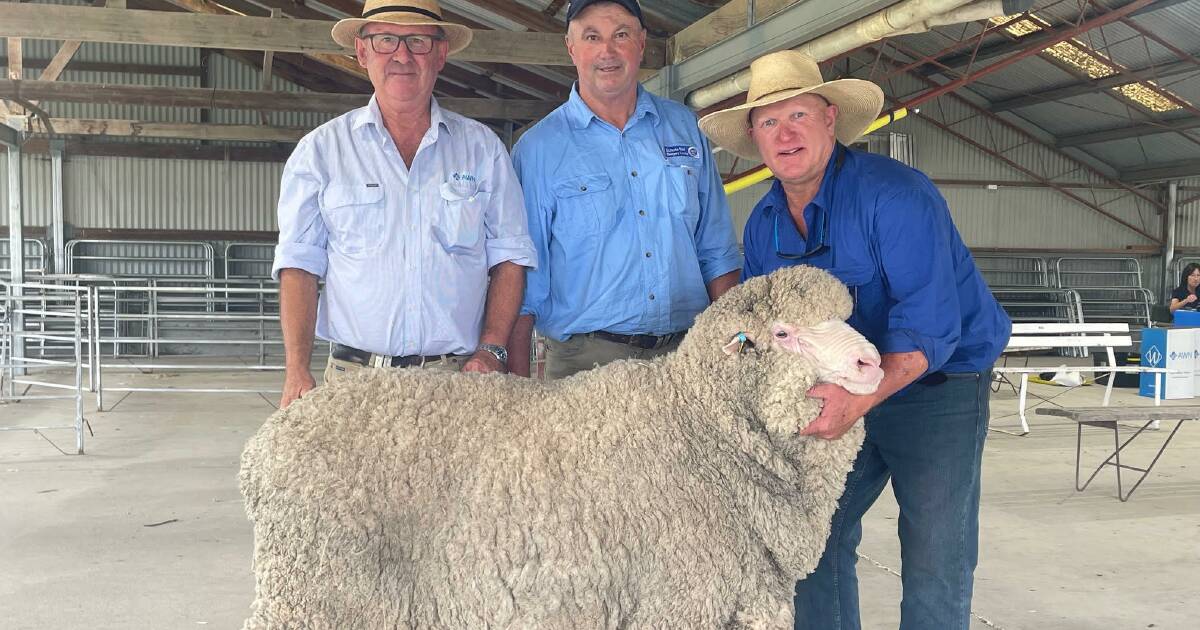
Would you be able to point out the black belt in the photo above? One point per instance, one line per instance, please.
(645, 342)
(933, 379)
(370, 359)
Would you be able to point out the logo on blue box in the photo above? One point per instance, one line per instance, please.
(1153, 356)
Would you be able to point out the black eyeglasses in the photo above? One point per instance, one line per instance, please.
(388, 44)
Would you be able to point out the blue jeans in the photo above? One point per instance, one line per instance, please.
(929, 442)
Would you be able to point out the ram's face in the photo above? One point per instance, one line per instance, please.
(837, 352)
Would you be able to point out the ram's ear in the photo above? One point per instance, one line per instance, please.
(741, 342)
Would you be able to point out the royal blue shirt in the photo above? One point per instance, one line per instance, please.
(629, 225)
(885, 231)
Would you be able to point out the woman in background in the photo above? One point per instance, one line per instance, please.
(1184, 295)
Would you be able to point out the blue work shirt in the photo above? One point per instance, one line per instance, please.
(885, 231)
(404, 251)
(630, 225)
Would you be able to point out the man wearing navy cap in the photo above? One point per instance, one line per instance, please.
(625, 208)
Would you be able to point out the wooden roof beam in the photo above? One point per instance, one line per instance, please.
(128, 26)
(102, 94)
(104, 66)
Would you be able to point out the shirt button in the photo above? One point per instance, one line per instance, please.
(651, 296)
(647, 254)
(634, 173)
(641, 213)
(583, 188)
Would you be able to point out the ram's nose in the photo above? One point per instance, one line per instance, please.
(864, 374)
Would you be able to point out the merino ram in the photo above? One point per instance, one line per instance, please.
(672, 493)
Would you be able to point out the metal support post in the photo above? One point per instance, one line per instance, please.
(57, 227)
(16, 255)
(78, 375)
(1169, 219)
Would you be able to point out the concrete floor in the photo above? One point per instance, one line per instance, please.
(147, 530)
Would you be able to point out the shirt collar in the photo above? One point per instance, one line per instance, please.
(370, 115)
(579, 115)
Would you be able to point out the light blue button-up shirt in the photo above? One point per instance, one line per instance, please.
(630, 224)
(404, 252)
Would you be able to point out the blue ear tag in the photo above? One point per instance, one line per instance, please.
(737, 344)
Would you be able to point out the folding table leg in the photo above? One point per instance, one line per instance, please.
(1114, 459)
(1021, 403)
(1158, 383)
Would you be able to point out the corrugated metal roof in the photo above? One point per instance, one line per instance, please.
(1178, 24)
(1137, 152)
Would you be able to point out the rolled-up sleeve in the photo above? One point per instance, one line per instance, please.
(716, 246)
(504, 219)
(913, 230)
(303, 236)
(538, 210)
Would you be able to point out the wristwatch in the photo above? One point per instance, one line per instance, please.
(500, 352)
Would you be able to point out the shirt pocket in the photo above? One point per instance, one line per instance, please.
(354, 214)
(584, 206)
(857, 278)
(866, 290)
(682, 185)
(459, 225)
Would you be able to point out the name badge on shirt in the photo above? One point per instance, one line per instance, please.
(680, 150)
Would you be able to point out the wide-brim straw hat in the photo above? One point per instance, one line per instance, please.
(780, 76)
(403, 13)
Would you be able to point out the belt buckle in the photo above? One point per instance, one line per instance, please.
(379, 361)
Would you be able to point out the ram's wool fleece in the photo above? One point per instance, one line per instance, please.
(673, 493)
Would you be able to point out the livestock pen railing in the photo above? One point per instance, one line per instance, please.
(234, 322)
(32, 314)
(33, 254)
(1013, 271)
(249, 260)
(1110, 289)
(144, 326)
(145, 259)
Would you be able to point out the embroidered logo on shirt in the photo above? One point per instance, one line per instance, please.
(462, 177)
(680, 150)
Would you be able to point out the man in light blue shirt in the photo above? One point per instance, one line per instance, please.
(406, 210)
(625, 208)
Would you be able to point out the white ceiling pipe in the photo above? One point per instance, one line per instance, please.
(978, 10)
(890, 21)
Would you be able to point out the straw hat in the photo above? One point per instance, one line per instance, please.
(780, 76)
(404, 13)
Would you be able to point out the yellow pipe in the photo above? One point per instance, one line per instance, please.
(765, 173)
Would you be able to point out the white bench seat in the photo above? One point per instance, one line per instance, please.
(1053, 336)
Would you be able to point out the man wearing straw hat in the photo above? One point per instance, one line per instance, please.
(885, 231)
(412, 214)
(625, 207)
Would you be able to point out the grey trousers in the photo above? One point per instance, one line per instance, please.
(580, 352)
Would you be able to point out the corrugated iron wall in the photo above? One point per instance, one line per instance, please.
(129, 193)
(1187, 223)
(150, 194)
(35, 188)
(1024, 217)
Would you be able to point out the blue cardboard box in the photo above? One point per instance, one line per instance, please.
(1174, 349)
(1187, 317)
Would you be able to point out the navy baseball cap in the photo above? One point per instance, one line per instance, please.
(575, 7)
